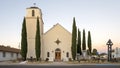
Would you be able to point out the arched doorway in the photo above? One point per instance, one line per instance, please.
(57, 54)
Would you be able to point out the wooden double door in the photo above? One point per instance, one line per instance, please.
(57, 56)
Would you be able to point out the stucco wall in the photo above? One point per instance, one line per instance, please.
(116, 53)
(57, 32)
(8, 56)
(31, 23)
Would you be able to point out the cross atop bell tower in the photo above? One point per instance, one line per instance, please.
(34, 11)
(34, 4)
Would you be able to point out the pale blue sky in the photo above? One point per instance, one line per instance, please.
(101, 17)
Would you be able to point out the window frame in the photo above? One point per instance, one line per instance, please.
(48, 54)
(4, 54)
(67, 54)
(12, 54)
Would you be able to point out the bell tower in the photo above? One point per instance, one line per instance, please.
(32, 13)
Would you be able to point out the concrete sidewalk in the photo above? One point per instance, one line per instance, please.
(53, 63)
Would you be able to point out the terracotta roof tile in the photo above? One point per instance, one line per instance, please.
(9, 49)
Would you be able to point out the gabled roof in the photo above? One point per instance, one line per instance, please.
(9, 49)
(56, 26)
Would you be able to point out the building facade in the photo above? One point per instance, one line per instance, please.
(116, 53)
(55, 43)
(8, 53)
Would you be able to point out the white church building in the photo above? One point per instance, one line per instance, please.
(55, 43)
(116, 53)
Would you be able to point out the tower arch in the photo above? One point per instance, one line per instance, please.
(33, 13)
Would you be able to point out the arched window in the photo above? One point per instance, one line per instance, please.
(48, 54)
(33, 13)
(67, 54)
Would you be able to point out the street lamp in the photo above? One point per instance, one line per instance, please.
(109, 43)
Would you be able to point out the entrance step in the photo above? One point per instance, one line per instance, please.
(59, 63)
(57, 60)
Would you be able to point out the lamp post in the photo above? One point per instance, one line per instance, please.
(109, 43)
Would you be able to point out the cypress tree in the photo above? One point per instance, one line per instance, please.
(74, 35)
(37, 41)
(79, 43)
(24, 41)
(89, 43)
(84, 41)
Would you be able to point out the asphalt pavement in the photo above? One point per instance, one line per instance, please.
(60, 66)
